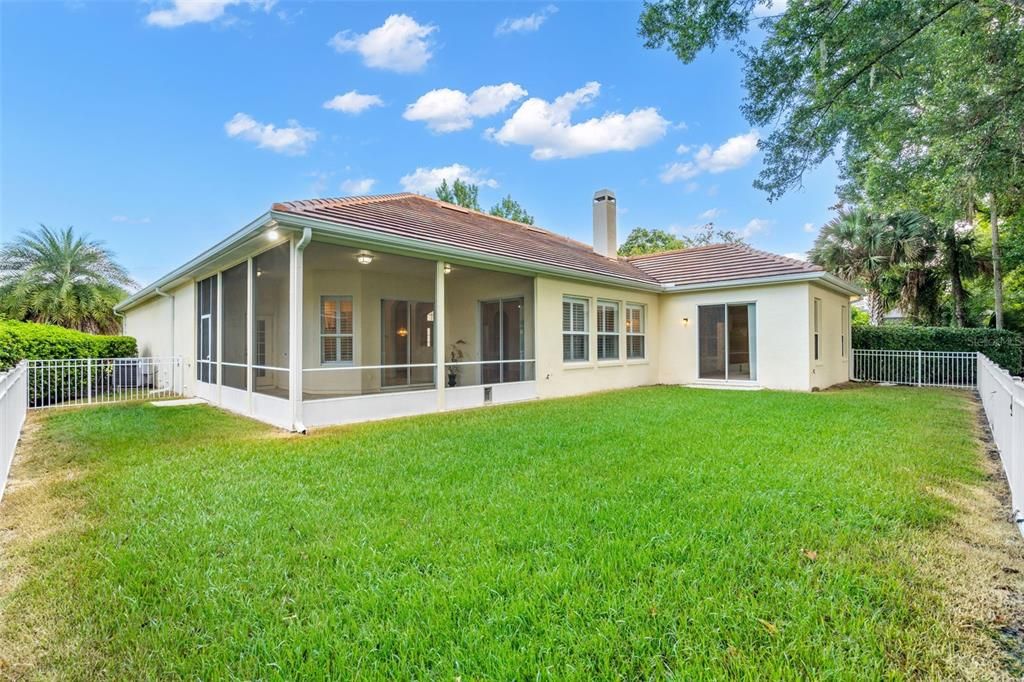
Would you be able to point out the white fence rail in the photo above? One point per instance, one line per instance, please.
(916, 367)
(1003, 399)
(91, 381)
(13, 405)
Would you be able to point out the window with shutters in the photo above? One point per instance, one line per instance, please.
(607, 330)
(575, 334)
(336, 336)
(635, 332)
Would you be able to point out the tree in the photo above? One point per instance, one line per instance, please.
(642, 241)
(863, 247)
(461, 193)
(58, 277)
(510, 209)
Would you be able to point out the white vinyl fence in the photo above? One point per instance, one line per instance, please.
(916, 367)
(13, 405)
(1003, 398)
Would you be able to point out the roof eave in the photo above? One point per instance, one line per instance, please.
(820, 277)
(188, 269)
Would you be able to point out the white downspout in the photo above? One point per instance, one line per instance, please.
(295, 335)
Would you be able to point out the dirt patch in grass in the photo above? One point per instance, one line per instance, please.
(33, 510)
(979, 559)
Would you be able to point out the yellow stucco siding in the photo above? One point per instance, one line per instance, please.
(558, 378)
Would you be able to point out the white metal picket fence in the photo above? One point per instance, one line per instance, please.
(1003, 399)
(916, 367)
(90, 381)
(13, 407)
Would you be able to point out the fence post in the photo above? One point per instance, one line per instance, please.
(918, 368)
(88, 379)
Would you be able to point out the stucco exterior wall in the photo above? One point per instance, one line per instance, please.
(781, 321)
(150, 324)
(833, 365)
(558, 378)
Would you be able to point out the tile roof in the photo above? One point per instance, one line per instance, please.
(718, 263)
(418, 217)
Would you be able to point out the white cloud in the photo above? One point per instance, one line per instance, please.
(353, 102)
(181, 12)
(755, 226)
(734, 153)
(356, 187)
(683, 149)
(710, 214)
(293, 139)
(796, 256)
(770, 8)
(526, 24)
(426, 180)
(400, 44)
(446, 110)
(129, 220)
(548, 127)
(809, 227)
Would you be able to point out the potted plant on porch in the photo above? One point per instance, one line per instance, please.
(456, 355)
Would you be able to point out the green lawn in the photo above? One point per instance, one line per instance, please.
(642, 533)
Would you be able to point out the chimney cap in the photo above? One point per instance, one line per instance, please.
(604, 195)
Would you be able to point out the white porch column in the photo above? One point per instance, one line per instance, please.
(250, 322)
(440, 349)
(298, 246)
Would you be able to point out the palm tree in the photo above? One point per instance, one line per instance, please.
(58, 277)
(862, 247)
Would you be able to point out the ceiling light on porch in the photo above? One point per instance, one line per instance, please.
(364, 258)
(273, 234)
(447, 268)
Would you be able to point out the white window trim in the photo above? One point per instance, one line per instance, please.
(339, 336)
(617, 307)
(642, 333)
(585, 333)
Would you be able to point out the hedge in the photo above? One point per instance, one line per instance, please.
(28, 340)
(1004, 347)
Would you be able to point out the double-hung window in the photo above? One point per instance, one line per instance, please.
(575, 334)
(607, 330)
(635, 332)
(817, 329)
(335, 330)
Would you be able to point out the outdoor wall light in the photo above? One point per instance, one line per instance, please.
(447, 268)
(403, 332)
(364, 258)
(686, 321)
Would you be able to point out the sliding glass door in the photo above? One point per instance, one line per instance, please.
(407, 338)
(501, 338)
(726, 342)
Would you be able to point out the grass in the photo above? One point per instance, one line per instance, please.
(643, 533)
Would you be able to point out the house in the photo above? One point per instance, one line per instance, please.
(330, 311)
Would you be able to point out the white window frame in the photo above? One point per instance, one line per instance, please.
(634, 333)
(338, 335)
(616, 308)
(817, 329)
(573, 332)
(844, 320)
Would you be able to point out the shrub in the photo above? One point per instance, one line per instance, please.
(28, 340)
(1005, 348)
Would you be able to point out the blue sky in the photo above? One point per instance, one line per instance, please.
(160, 127)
